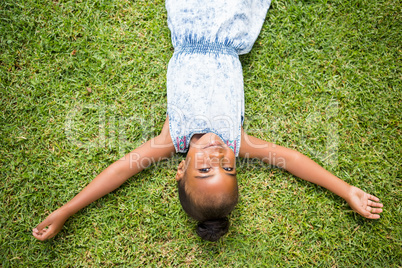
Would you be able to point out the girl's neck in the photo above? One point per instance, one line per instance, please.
(196, 137)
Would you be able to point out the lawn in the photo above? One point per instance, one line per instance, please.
(83, 83)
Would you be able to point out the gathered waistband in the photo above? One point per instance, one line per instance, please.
(205, 47)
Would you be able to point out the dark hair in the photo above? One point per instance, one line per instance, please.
(210, 211)
(212, 230)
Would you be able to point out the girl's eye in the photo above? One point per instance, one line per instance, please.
(204, 170)
(228, 168)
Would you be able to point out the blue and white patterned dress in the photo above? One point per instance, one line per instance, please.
(204, 79)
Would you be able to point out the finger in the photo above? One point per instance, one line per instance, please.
(41, 236)
(375, 204)
(36, 231)
(372, 197)
(373, 216)
(36, 235)
(376, 210)
(44, 234)
(367, 213)
(42, 225)
(43, 231)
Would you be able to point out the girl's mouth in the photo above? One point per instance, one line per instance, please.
(215, 143)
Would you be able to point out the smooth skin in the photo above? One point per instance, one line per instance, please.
(207, 156)
(210, 168)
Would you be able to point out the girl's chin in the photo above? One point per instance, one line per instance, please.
(206, 139)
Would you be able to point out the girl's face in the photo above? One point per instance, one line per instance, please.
(209, 168)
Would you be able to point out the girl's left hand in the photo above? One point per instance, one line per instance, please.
(363, 203)
(50, 226)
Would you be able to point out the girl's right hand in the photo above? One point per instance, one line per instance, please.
(50, 226)
(365, 204)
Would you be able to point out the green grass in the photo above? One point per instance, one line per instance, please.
(83, 82)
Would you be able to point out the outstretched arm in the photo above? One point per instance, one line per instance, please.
(303, 167)
(156, 149)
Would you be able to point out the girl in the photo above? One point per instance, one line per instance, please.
(204, 118)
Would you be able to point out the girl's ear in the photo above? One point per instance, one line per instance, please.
(180, 170)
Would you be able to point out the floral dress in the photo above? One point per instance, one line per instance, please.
(204, 79)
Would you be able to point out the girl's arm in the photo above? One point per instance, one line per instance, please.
(305, 168)
(156, 149)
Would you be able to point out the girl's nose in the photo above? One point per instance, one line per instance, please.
(216, 159)
(216, 154)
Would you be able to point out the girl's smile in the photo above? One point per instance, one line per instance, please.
(209, 168)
